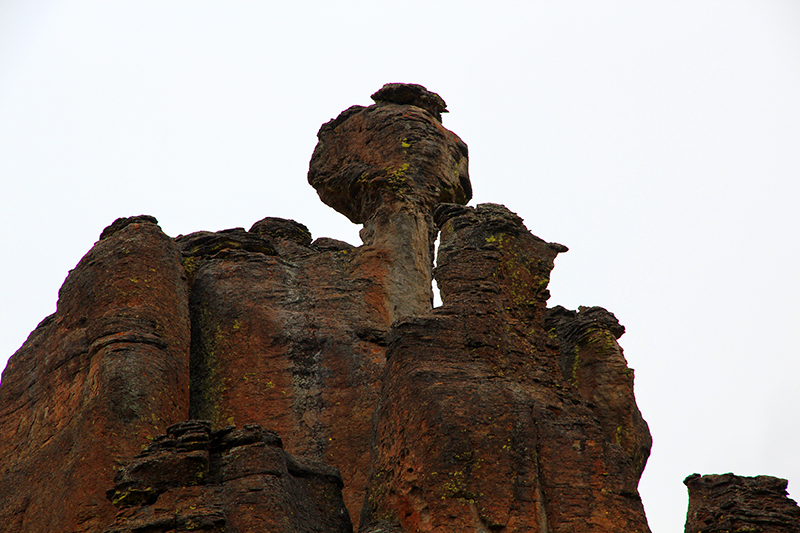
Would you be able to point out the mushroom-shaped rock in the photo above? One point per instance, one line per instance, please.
(390, 154)
(388, 166)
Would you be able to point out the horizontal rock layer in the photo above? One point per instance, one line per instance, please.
(727, 503)
(193, 478)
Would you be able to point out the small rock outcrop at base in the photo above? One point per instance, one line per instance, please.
(727, 503)
(263, 380)
(229, 479)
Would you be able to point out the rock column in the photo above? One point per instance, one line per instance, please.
(476, 429)
(94, 381)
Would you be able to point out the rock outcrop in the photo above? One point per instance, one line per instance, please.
(359, 406)
(388, 166)
(108, 370)
(193, 478)
(723, 503)
(476, 429)
(592, 360)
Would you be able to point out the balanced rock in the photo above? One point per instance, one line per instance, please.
(259, 379)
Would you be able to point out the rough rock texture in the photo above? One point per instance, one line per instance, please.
(388, 166)
(592, 360)
(193, 478)
(476, 429)
(729, 503)
(109, 369)
(292, 339)
(489, 413)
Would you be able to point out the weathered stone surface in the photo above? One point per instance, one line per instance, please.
(728, 503)
(411, 94)
(229, 480)
(282, 229)
(476, 429)
(108, 369)
(294, 342)
(592, 360)
(489, 413)
(388, 166)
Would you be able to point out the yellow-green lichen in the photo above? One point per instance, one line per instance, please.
(455, 486)
(131, 497)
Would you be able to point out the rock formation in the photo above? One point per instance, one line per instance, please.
(261, 380)
(193, 478)
(722, 503)
(93, 381)
(476, 430)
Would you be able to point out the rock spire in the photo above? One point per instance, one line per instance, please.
(261, 379)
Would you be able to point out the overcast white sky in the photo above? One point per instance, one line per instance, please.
(658, 140)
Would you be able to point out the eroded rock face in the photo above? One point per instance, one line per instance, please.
(291, 336)
(388, 166)
(723, 503)
(227, 480)
(591, 359)
(476, 429)
(94, 380)
(489, 413)
(392, 155)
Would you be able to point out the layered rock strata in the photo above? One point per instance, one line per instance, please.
(229, 479)
(488, 413)
(724, 503)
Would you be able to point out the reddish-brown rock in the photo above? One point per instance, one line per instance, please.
(730, 503)
(592, 360)
(293, 340)
(291, 334)
(227, 480)
(388, 166)
(476, 429)
(96, 379)
(489, 413)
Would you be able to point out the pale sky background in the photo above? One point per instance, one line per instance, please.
(658, 140)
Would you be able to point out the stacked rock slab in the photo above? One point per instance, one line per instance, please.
(723, 503)
(229, 479)
(468, 417)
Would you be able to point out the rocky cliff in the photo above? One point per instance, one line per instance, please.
(258, 379)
